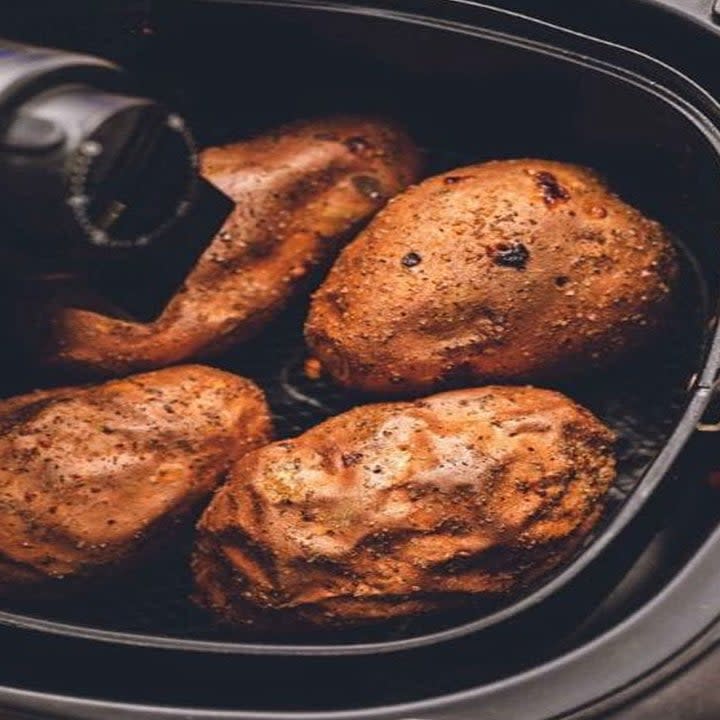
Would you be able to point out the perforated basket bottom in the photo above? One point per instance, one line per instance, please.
(640, 399)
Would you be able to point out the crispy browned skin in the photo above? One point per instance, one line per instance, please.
(89, 475)
(403, 508)
(298, 191)
(517, 269)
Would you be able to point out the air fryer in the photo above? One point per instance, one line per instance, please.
(638, 604)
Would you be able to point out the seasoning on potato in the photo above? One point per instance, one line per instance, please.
(91, 478)
(504, 271)
(399, 509)
(298, 190)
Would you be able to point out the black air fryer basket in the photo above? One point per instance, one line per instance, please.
(641, 599)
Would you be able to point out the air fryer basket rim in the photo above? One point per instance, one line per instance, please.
(622, 64)
(595, 677)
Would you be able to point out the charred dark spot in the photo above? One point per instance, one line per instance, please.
(514, 255)
(357, 144)
(303, 189)
(337, 300)
(562, 280)
(383, 541)
(350, 459)
(368, 186)
(262, 247)
(453, 526)
(552, 191)
(452, 179)
(411, 260)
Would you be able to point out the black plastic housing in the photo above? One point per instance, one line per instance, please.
(86, 154)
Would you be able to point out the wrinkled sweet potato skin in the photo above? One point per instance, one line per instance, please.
(298, 191)
(92, 477)
(504, 271)
(403, 508)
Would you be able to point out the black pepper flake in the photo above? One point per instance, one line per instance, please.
(513, 255)
(411, 260)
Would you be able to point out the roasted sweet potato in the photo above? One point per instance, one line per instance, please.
(398, 509)
(91, 478)
(508, 270)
